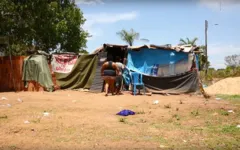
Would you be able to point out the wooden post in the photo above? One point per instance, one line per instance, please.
(206, 49)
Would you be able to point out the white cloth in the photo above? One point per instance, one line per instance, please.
(120, 67)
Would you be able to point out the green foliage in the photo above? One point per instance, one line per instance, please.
(222, 73)
(128, 36)
(42, 23)
(195, 112)
(188, 41)
(123, 120)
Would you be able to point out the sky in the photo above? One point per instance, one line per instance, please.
(165, 22)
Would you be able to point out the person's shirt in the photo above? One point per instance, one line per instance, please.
(120, 67)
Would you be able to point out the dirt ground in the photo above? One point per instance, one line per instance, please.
(228, 86)
(81, 120)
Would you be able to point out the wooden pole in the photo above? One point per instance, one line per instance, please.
(206, 49)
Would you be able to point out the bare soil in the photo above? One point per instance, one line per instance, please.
(82, 120)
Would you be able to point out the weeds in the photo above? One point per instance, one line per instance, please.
(176, 116)
(140, 112)
(13, 147)
(180, 102)
(231, 129)
(123, 120)
(167, 106)
(195, 113)
(4, 117)
(224, 113)
(38, 120)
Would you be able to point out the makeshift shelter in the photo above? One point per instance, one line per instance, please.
(74, 71)
(35, 68)
(103, 52)
(165, 69)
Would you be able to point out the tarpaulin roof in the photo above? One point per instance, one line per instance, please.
(178, 48)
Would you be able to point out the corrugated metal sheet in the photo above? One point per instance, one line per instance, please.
(97, 84)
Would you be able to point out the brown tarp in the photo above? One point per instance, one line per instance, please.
(82, 74)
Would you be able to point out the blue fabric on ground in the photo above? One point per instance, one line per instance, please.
(145, 60)
(126, 112)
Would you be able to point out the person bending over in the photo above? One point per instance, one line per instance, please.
(119, 79)
(109, 71)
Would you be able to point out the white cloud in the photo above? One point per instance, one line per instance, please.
(88, 2)
(218, 5)
(217, 53)
(104, 18)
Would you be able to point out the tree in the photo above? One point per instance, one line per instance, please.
(232, 61)
(44, 24)
(128, 36)
(187, 41)
(202, 58)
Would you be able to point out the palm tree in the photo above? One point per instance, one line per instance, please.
(188, 42)
(128, 36)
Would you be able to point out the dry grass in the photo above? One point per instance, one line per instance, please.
(80, 120)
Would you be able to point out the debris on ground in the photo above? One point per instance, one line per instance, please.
(229, 86)
(9, 105)
(238, 126)
(26, 122)
(45, 114)
(231, 111)
(19, 100)
(155, 102)
(3, 98)
(217, 98)
(126, 112)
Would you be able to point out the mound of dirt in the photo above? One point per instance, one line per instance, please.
(230, 86)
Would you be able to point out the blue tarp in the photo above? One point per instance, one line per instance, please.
(146, 60)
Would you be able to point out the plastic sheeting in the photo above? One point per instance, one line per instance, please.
(82, 73)
(178, 84)
(35, 68)
(159, 62)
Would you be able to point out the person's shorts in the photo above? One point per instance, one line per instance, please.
(109, 73)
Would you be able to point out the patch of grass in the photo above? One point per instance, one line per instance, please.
(13, 147)
(176, 116)
(140, 112)
(167, 106)
(224, 113)
(37, 120)
(228, 97)
(123, 120)
(232, 129)
(195, 112)
(71, 130)
(3, 117)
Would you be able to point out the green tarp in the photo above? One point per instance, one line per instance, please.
(35, 68)
(82, 73)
